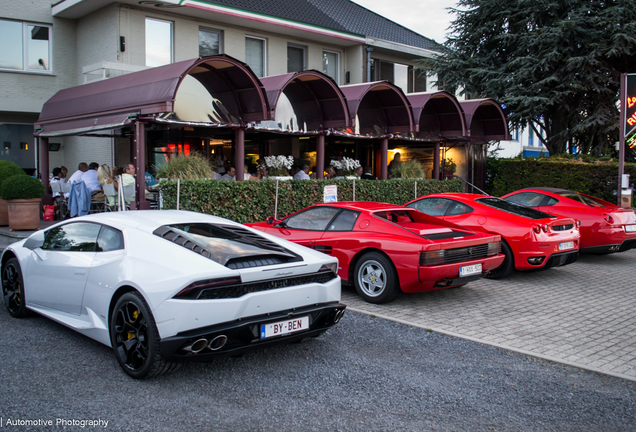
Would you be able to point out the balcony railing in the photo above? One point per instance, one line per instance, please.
(102, 70)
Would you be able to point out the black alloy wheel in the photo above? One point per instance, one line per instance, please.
(135, 338)
(507, 266)
(13, 289)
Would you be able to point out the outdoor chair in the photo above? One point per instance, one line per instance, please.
(62, 200)
(109, 191)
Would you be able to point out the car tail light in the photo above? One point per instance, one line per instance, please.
(433, 257)
(494, 248)
(537, 228)
(545, 228)
(608, 218)
(329, 267)
(192, 290)
(578, 223)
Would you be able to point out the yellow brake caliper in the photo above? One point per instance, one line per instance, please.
(134, 315)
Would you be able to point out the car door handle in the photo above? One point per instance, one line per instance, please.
(79, 272)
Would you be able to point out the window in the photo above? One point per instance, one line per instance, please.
(25, 46)
(110, 239)
(417, 80)
(158, 42)
(210, 42)
(344, 221)
(331, 65)
(314, 219)
(432, 206)
(458, 208)
(255, 50)
(295, 58)
(528, 199)
(81, 237)
(399, 74)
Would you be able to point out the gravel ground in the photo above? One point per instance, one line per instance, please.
(365, 374)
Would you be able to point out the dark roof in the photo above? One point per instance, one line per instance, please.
(110, 103)
(341, 15)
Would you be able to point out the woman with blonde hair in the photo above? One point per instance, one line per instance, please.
(105, 176)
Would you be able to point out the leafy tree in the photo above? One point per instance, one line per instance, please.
(554, 64)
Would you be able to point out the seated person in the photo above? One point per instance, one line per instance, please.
(149, 178)
(230, 174)
(367, 173)
(303, 173)
(92, 182)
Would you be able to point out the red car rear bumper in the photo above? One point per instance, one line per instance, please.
(447, 275)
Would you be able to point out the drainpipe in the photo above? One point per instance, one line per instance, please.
(369, 63)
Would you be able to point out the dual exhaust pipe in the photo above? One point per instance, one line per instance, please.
(213, 344)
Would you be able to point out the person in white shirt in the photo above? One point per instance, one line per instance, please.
(230, 175)
(81, 169)
(247, 175)
(92, 182)
(303, 174)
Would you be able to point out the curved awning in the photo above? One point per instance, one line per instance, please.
(378, 109)
(437, 115)
(304, 102)
(209, 91)
(485, 120)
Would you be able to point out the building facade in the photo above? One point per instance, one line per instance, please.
(55, 45)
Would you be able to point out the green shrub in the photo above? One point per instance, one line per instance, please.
(9, 169)
(408, 170)
(21, 187)
(254, 201)
(597, 178)
(191, 167)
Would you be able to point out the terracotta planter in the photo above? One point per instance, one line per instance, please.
(4, 213)
(24, 214)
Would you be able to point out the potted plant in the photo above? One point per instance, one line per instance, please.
(191, 167)
(449, 167)
(346, 167)
(407, 170)
(279, 166)
(7, 169)
(23, 195)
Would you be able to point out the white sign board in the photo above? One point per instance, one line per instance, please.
(331, 193)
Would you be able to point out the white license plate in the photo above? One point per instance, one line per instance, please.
(566, 245)
(470, 270)
(284, 327)
(630, 228)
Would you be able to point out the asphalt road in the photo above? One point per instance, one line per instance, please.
(365, 374)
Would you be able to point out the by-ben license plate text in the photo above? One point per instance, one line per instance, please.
(469, 270)
(284, 327)
(566, 245)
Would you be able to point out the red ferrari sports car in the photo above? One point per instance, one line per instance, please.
(605, 227)
(531, 239)
(384, 249)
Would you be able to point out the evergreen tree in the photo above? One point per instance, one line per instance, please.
(554, 64)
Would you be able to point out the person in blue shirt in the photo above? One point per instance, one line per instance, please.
(149, 178)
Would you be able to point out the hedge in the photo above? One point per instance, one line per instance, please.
(598, 179)
(254, 201)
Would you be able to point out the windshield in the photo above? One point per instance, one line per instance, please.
(514, 208)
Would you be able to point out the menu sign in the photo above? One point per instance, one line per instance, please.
(630, 104)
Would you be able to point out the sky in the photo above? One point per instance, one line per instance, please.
(426, 17)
